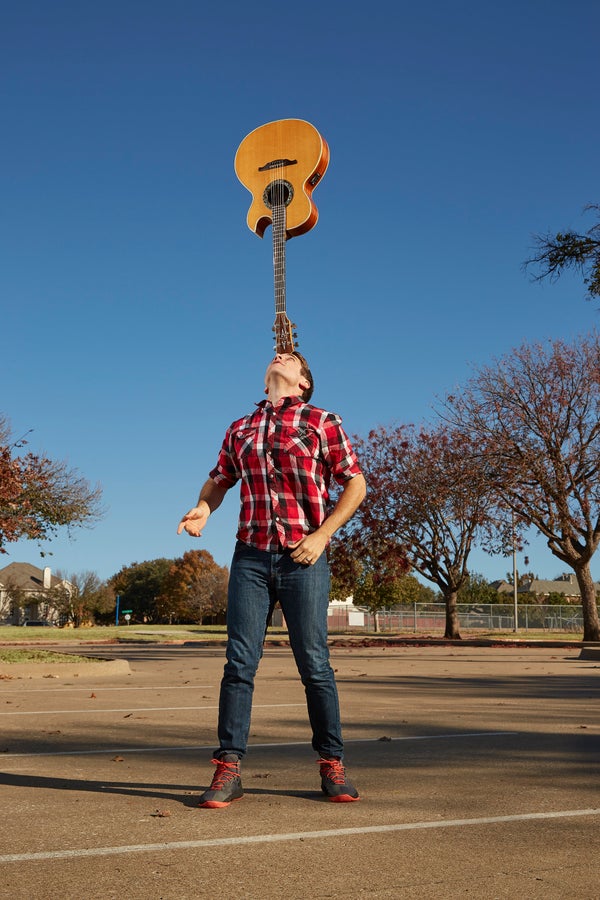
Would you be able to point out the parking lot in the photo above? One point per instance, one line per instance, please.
(478, 767)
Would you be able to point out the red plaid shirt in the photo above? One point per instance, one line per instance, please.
(285, 456)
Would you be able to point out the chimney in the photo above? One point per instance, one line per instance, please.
(47, 578)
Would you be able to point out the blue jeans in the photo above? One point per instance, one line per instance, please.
(257, 580)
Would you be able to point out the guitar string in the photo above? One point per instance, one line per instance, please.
(278, 211)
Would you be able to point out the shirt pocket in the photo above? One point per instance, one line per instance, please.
(300, 441)
(244, 439)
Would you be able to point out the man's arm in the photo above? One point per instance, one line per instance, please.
(310, 548)
(211, 497)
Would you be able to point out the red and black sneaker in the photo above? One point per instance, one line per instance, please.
(226, 784)
(334, 782)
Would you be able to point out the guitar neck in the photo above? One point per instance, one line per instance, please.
(279, 238)
(283, 328)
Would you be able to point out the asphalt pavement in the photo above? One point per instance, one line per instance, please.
(478, 768)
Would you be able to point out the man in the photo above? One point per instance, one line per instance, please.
(285, 454)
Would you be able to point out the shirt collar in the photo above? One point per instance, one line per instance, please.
(284, 403)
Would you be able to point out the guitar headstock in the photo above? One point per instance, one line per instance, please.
(284, 334)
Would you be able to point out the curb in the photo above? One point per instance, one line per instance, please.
(95, 669)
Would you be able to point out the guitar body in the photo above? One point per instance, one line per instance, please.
(288, 157)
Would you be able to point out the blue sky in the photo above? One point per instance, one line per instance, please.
(136, 304)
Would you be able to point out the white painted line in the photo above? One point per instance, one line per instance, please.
(131, 709)
(68, 689)
(186, 748)
(292, 836)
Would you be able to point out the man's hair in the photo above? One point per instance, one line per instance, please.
(306, 373)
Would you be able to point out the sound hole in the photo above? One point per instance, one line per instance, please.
(278, 193)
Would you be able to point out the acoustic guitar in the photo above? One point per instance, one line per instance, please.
(281, 163)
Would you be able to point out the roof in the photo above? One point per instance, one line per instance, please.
(503, 587)
(26, 577)
(569, 587)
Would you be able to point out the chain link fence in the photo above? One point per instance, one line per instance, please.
(426, 617)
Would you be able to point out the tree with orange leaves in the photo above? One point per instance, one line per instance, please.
(39, 495)
(427, 504)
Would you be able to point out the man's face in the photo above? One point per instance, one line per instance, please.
(288, 367)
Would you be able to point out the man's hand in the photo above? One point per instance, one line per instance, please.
(210, 498)
(194, 521)
(309, 549)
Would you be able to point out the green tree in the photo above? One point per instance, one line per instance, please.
(409, 590)
(375, 594)
(477, 590)
(554, 253)
(139, 587)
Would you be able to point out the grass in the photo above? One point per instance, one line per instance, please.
(13, 634)
(11, 655)
(10, 634)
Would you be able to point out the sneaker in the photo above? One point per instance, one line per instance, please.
(334, 782)
(226, 784)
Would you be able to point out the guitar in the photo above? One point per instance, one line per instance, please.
(281, 163)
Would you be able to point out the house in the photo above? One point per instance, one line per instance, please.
(343, 613)
(565, 585)
(23, 593)
(502, 587)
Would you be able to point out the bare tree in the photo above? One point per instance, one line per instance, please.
(534, 417)
(554, 253)
(80, 596)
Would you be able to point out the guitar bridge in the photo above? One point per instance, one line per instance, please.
(277, 164)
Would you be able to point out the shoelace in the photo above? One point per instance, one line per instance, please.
(226, 772)
(333, 770)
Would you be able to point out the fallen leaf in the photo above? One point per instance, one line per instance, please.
(161, 814)
(118, 759)
(93, 696)
(384, 738)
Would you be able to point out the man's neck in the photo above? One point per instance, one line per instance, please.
(280, 387)
(276, 397)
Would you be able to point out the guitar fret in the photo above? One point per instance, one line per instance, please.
(279, 238)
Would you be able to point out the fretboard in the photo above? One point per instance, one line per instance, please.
(279, 238)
